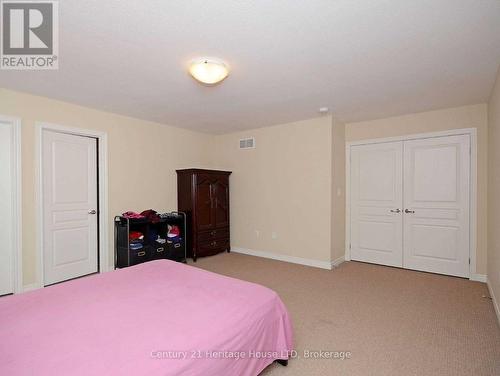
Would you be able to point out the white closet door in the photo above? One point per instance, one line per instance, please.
(376, 202)
(436, 202)
(6, 208)
(69, 206)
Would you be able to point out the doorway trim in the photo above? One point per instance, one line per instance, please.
(102, 165)
(17, 251)
(472, 133)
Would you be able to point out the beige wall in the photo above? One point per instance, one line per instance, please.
(338, 190)
(292, 184)
(142, 159)
(494, 191)
(281, 186)
(453, 118)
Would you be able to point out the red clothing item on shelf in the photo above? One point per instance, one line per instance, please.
(135, 235)
(133, 215)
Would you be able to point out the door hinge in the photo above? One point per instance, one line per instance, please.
(349, 245)
(469, 260)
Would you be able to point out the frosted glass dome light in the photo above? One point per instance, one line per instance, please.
(208, 70)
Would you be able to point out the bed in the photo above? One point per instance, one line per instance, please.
(157, 318)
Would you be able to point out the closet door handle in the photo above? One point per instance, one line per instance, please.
(395, 210)
(407, 211)
(92, 211)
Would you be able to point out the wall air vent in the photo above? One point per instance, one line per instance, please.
(247, 143)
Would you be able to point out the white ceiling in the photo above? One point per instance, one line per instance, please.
(364, 59)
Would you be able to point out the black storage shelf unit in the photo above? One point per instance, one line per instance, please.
(151, 250)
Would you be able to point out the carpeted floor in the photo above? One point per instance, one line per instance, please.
(393, 321)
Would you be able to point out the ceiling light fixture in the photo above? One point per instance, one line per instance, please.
(208, 71)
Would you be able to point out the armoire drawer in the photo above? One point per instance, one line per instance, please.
(213, 246)
(206, 236)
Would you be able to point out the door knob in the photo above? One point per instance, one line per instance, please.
(92, 211)
(395, 210)
(407, 211)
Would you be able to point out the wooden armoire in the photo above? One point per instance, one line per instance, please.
(204, 196)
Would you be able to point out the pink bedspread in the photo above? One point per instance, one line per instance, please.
(157, 318)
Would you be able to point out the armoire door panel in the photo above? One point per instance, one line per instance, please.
(376, 202)
(204, 205)
(221, 204)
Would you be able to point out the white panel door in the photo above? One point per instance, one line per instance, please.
(6, 209)
(69, 175)
(436, 203)
(376, 202)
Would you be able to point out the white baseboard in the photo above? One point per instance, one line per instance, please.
(36, 285)
(292, 259)
(31, 287)
(478, 278)
(494, 301)
(337, 262)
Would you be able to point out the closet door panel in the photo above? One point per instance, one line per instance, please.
(436, 202)
(376, 202)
